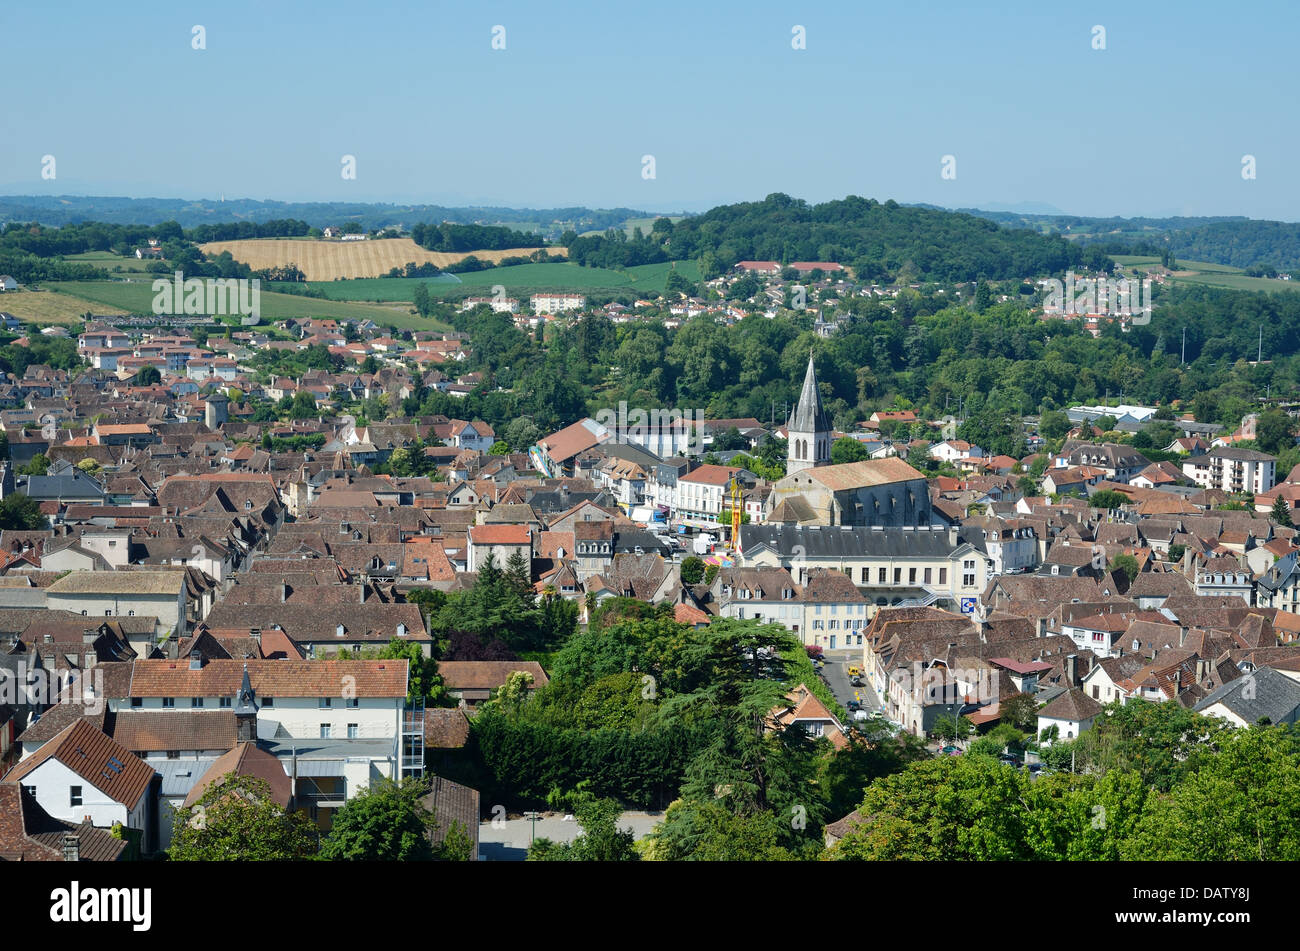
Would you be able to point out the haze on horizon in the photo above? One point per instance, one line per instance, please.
(1155, 124)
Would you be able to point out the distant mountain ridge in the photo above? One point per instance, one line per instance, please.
(58, 210)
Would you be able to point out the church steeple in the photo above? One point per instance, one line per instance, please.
(809, 428)
(245, 712)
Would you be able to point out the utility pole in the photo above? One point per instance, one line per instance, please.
(1184, 360)
(1260, 357)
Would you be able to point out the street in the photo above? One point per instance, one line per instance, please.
(836, 673)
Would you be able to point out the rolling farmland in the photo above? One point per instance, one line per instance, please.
(137, 297)
(518, 280)
(46, 307)
(334, 260)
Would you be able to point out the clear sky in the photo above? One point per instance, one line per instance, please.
(1157, 123)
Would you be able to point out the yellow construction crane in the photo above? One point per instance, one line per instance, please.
(735, 514)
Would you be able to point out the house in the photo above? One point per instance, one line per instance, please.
(1262, 696)
(472, 681)
(30, 834)
(334, 725)
(803, 710)
(99, 594)
(1071, 713)
(7, 283)
(499, 542)
(556, 303)
(82, 775)
(1233, 470)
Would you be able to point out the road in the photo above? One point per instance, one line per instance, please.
(837, 678)
(506, 840)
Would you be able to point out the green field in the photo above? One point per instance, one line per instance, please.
(109, 261)
(1213, 275)
(518, 280)
(137, 297)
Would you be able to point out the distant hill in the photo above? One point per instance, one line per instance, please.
(878, 241)
(71, 209)
(1233, 240)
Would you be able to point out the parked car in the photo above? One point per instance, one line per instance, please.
(853, 706)
(950, 751)
(855, 681)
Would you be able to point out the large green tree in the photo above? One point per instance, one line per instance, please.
(238, 820)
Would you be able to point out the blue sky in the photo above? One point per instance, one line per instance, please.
(1155, 124)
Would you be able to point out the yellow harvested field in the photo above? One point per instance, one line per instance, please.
(46, 307)
(328, 260)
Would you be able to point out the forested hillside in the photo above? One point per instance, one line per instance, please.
(879, 241)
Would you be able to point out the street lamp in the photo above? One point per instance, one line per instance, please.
(532, 817)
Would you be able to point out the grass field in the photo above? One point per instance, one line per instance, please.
(518, 280)
(137, 297)
(46, 307)
(1214, 275)
(330, 260)
(110, 261)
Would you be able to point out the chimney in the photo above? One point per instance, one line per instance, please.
(256, 634)
(1202, 669)
(1072, 670)
(196, 660)
(284, 591)
(71, 847)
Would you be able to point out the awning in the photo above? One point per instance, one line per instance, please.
(320, 767)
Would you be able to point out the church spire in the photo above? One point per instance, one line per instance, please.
(245, 712)
(809, 427)
(809, 415)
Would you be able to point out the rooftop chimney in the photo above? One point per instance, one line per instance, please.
(1072, 670)
(284, 591)
(196, 660)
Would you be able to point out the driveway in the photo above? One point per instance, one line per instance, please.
(507, 840)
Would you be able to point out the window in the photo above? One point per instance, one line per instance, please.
(169, 701)
(173, 754)
(74, 795)
(268, 701)
(324, 731)
(196, 702)
(354, 702)
(968, 581)
(943, 576)
(326, 703)
(898, 576)
(130, 614)
(137, 701)
(911, 576)
(926, 575)
(353, 731)
(108, 612)
(880, 576)
(226, 702)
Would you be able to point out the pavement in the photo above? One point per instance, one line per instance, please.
(507, 840)
(836, 674)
